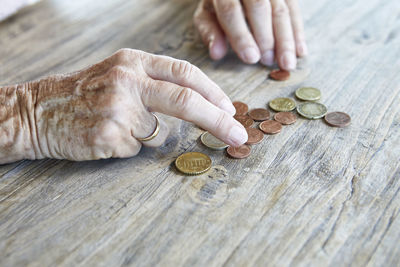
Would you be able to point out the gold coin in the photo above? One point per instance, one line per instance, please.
(282, 104)
(312, 110)
(193, 163)
(212, 142)
(308, 93)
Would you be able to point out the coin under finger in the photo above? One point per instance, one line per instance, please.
(239, 152)
(241, 108)
(259, 114)
(255, 136)
(338, 119)
(270, 127)
(285, 118)
(245, 120)
(312, 110)
(282, 104)
(279, 75)
(308, 93)
(193, 163)
(212, 142)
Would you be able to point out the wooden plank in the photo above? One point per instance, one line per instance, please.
(312, 195)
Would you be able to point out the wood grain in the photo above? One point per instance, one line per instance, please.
(311, 196)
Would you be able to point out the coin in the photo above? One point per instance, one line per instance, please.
(308, 93)
(241, 108)
(239, 152)
(193, 163)
(245, 120)
(279, 75)
(270, 127)
(282, 104)
(255, 136)
(259, 114)
(285, 118)
(338, 119)
(212, 142)
(312, 110)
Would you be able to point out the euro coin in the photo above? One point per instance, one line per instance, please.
(245, 120)
(312, 110)
(255, 136)
(285, 118)
(308, 93)
(259, 114)
(239, 152)
(241, 108)
(270, 127)
(193, 163)
(279, 75)
(338, 119)
(212, 142)
(282, 104)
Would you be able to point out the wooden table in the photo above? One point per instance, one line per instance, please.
(312, 195)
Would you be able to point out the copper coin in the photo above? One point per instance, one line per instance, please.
(259, 114)
(239, 152)
(241, 108)
(270, 127)
(338, 119)
(245, 120)
(279, 75)
(255, 136)
(285, 118)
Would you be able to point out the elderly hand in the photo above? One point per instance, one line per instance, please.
(101, 111)
(266, 30)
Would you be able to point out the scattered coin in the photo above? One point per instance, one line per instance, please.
(282, 104)
(259, 114)
(312, 110)
(270, 127)
(239, 152)
(255, 136)
(212, 142)
(241, 108)
(308, 93)
(279, 75)
(193, 163)
(245, 120)
(285, 118)
(338, 119)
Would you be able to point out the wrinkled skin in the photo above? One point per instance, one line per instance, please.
(100, 112)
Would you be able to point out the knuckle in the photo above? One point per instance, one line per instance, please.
(280, 10)
(256, 4)
(183, 99)
(103, 135)
(182, 68)
(227, 7)
(116, 74)
(220, 121)
(121, 55)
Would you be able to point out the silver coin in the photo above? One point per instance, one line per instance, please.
(212, 142)
(312, 110)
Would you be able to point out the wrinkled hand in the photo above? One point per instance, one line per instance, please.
(100, 112)
(274, 31)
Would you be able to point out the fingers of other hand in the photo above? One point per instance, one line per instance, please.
(298, 27)
(211, 33)
(231, 17)
(285, 45)
(187, 104)
(258, 13)
(186, 75)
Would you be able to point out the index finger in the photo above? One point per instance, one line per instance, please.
(186, 104)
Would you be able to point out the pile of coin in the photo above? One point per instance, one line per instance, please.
(258, 122)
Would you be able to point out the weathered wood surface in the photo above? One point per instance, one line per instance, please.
(312, 195)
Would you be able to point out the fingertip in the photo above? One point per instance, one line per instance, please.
(250, 55)
(228, 106)
(288, 61)
(268, 58)
(218, 48)
(302, 49)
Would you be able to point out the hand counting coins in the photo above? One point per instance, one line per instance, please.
(312, 110)
(193, 163)
(212, 142)
(282, 104)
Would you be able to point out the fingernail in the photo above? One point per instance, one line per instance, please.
(238, 135)
(303, 49)
(268, 58)
(250, 55)
(288, 60)
(210, 42)
(228, 106)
